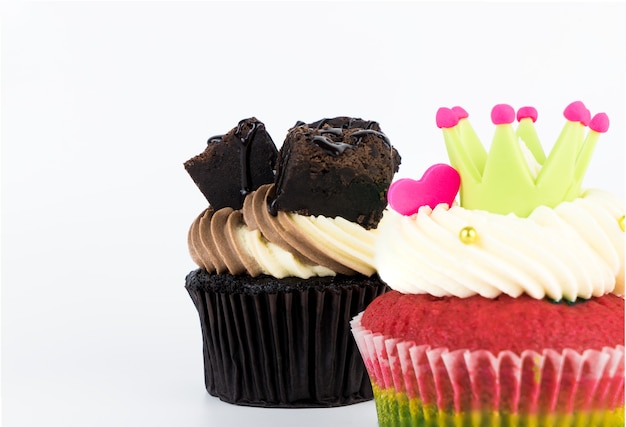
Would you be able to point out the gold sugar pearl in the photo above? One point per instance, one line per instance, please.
(468, 235)
(621, 223)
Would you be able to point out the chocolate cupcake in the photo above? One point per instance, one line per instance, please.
(285, 255)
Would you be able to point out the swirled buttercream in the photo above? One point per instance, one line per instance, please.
(252, 241)
(575, 250)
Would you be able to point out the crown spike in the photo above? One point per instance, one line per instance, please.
(597, 125)
(527, 113)
(460, 112)
(527, 116)
(577, 112)
(502, 114)
(505, 159)
(559, 166)
(470, 139)
(460, 157)
(446, 118)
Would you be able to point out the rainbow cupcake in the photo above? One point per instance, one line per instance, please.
(507, 307)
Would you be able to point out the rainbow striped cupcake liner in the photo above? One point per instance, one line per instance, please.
(416, 385)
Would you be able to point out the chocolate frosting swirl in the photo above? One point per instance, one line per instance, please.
(254, 242)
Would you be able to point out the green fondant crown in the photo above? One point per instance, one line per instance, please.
(516, 176)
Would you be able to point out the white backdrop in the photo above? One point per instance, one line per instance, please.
(103, 102)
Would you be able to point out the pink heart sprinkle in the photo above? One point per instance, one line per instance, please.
(577, 112)
(502, 114)
(446, 118)
(599, 123)
(440, 184)
(527, 113)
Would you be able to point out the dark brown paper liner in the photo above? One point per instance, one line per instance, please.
(282, 343)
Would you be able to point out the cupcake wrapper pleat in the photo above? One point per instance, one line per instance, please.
(483, 388)
(284, 349)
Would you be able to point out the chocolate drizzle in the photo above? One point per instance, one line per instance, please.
(331, 147)
(321, 123)
(332, 131)
(334, 148)
(343, 123)
(360, 133)
(246, 182)
(272, 209)
(214, 139)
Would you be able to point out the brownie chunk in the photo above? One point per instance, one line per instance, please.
(234, 164)
(335, 167)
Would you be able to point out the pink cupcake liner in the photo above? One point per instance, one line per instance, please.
(462, 381)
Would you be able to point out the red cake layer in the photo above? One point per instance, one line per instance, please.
(503, 323)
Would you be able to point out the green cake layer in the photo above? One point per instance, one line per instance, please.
(397, 410)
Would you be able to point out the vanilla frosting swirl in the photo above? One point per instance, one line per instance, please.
(575, 250)
(252, 241)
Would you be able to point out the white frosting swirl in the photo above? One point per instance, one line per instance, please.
(275, 261)
(347, 242)
(575, 250)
